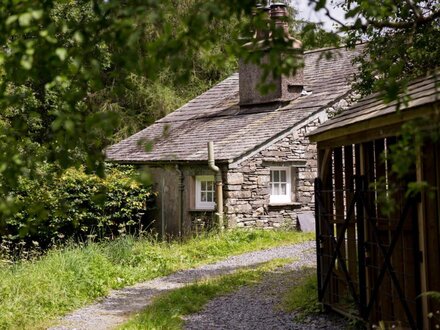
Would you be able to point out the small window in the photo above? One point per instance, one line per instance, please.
(205, 192)
(280, 185)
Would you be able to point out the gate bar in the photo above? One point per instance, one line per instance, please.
(360, 185)
(318, 188)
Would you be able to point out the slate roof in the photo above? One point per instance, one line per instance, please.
(421, 92)
(182, 136)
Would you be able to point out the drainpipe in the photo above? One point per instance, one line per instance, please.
(162, 211)
(218, 184)
(181, 190)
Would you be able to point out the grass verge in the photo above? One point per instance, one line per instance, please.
(33, 293)
(167, 311)
(303, 297)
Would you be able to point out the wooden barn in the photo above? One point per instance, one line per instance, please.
(374, 263)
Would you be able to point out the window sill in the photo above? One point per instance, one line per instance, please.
(285, 204)
(201, 210)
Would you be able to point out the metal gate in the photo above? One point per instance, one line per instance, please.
(367, 262)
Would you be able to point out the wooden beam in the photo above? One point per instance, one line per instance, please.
(324, 159)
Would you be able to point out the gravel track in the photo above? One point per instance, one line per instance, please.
(258, 307)
(117, 307)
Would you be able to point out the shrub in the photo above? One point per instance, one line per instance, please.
(77, 206)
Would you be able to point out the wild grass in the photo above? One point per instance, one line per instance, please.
(167, 311)
(33, 293)
(303, 297)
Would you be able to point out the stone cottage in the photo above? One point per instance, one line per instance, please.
(264, 165)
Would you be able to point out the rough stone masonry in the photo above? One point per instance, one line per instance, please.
(247, 189)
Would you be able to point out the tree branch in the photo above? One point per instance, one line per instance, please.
(419, 19)
(327, 13)
(416, 9)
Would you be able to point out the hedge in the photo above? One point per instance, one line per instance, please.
(78, 206)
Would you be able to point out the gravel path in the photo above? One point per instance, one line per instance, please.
(120, 304)
(258, 307)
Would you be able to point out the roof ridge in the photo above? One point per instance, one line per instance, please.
(322, 49)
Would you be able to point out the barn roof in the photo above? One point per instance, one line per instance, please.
(216, 116)
(372, 113)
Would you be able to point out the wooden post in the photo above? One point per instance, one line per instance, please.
(349, 194)
(422, 243)
(383, 224)
(371, 249)
(325, 159)
(339, 214)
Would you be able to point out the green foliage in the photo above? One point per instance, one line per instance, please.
(313, 36)
(413, 136)
(76, 75)
(435, 314)
(402, 157)
(76, 206)
(403, 42)
(167, 311)
(34, 292)
(433, 294)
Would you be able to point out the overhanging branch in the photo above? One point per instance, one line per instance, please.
(419, 19)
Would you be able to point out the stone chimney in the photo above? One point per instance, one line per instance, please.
(287, 88)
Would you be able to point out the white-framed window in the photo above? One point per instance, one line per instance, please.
(280, 185)
(205, 192)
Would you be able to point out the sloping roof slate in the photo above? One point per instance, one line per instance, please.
(216, 116)
(421, 92)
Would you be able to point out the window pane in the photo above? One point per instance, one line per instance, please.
(203, 197)
(210, 186)
(210, 197)
(283, 189)
(203, 185)
(276, 176)
(276, 189)
(271, 176)
(283, 176)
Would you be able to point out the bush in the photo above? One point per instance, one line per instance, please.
(77, 206)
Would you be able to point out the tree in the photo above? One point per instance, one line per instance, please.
(66, 66)
(403, 41)
(139, 99)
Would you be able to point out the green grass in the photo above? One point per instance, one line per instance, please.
(303, 297)
(167, 310)
(33, 293)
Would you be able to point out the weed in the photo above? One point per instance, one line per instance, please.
(303, 298)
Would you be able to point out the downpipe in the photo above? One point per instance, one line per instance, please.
(218, 185)
(181, 191)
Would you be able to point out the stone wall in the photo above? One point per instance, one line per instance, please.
(247, 185)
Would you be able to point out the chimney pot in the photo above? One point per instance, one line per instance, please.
(261, 32)
(279, 14)
(287, 88)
